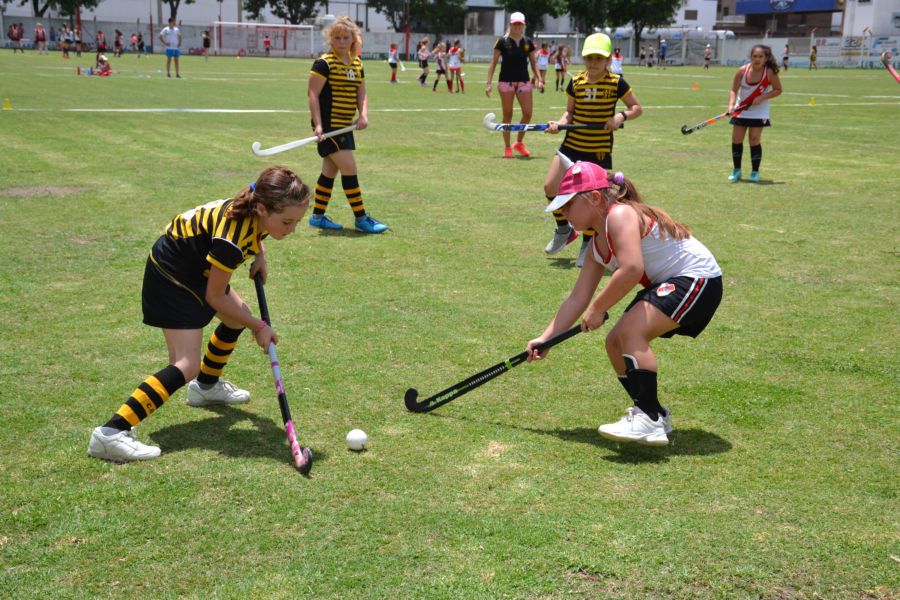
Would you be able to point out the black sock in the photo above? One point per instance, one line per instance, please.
(737, 153)
(756, 156)
(642, 384)
(623, 379)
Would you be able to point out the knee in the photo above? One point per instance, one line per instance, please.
(613, 344)
(190, 367)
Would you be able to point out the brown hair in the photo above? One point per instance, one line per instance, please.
(771, 64)
(276, 188)
(623, 190)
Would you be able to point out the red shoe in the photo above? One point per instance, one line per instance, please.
(507, 153)
(520, 148)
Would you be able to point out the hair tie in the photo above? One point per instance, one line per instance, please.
(619, 178)
(252, 187)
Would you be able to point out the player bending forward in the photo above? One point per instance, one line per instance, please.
(681, 289)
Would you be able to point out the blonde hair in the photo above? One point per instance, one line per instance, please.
(346, 23)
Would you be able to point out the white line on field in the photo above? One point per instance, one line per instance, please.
(420, 110)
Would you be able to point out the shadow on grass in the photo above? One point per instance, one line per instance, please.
(562, 263)
(682, 442)
(349, 232)
(264, 438)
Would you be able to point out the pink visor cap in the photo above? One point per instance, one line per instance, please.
(516, 18)
(581, 177)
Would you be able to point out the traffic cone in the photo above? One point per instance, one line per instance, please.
(812, 101)
(7, 105)
(696, 87)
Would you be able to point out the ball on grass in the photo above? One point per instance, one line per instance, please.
(357, 439)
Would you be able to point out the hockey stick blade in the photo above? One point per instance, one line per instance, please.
(258, 149)
(886, 61)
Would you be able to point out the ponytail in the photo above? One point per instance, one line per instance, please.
(276, 189)
(623, 190)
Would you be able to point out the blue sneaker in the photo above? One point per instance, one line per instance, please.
(367, 224)
(754, 177)
(323, 222)
(735, 176)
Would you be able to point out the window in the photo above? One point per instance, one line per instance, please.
(690, 15)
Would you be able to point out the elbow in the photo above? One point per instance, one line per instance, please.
(636, 110)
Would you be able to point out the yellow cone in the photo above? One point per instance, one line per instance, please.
(812, 101)
(7, 105)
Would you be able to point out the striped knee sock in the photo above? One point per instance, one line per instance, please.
(354, 195)
(148, 396)
(218, 351)
(323, 194)
(561, 222)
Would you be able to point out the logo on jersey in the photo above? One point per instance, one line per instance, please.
(351, 74)
(665, 289)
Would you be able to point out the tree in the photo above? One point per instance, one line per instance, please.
(643, 14)
(393, 10)
(173, 6)
(65, 8)
(294, 12)
(534, 11)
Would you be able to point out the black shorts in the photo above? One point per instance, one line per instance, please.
(344, 141)
(423, 64)
(604, 159)
(689, 301)
(393, 66)
(750, 122)
(172, 305)
(441, 72)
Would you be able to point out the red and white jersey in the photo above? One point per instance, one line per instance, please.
(761, 110)
(454, 55)
(393, 56)
(543, 59)
(664, 257)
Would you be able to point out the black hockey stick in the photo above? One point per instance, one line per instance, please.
(303, 457)
(467, 385)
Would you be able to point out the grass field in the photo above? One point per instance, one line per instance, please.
(782, 477)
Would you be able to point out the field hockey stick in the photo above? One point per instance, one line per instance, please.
(488, 123)
(733, 113)
(402, 68)
(257, 147)
(886, 61)
(302, 456)
(467, 385)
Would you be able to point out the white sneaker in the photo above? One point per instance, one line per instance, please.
(561, 240)
(120, 447)
(222, 392)
(636, 426)
(585, 244)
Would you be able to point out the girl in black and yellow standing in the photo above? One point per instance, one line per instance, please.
(337, 90)
(592, 97)
(186, 284)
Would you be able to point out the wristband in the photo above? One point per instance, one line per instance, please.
(624, 116)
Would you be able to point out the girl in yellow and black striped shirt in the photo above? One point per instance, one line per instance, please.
(337, 89)
(592, 97)
(186, 284)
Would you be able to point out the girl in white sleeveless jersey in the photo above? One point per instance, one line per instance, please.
(681, 287)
